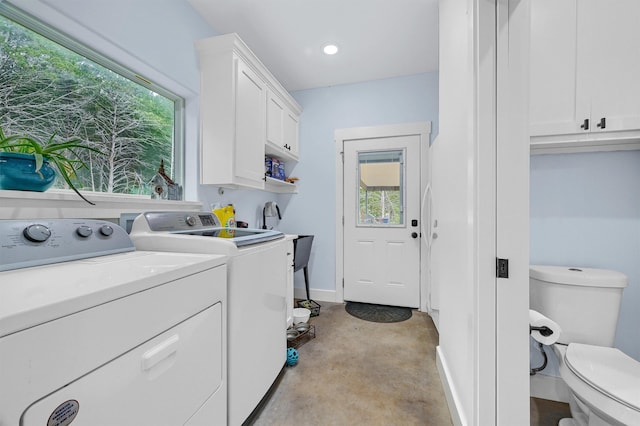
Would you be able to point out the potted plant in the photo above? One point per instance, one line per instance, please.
(30, 165)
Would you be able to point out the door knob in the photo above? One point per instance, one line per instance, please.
(414, 235)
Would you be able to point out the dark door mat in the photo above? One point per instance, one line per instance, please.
(378, 313)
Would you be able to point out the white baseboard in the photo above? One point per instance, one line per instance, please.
(549, 387)
(318, 295)
(435, 316)
(452, 400)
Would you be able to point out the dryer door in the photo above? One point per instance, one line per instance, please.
(164, 381)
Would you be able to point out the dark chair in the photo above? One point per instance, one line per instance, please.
(301, 252)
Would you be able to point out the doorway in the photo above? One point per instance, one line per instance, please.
(379, 182)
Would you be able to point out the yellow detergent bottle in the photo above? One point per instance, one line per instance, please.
(227, 217)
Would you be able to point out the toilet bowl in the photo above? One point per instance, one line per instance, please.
(604, 382)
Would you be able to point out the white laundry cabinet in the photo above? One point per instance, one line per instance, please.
(585, 63)
(245, 114)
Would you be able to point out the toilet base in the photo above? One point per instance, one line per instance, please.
(567, 422)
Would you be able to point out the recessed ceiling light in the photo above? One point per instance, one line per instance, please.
(330, 49)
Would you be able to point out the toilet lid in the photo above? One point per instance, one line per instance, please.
(608, 370)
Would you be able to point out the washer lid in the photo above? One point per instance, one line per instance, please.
(608, 370)
(578, 276)
(35, 295)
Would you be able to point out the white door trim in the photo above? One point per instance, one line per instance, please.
(512, 211)
(423, 129)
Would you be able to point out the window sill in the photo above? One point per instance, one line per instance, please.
(58, 203)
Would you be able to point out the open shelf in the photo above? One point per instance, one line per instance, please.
(277, 185)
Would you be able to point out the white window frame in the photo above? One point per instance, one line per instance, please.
(65, 203)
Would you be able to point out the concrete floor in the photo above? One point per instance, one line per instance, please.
(357, 372)
(547, 413)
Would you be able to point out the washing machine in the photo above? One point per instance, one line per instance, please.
(257, 286)
(96, 333)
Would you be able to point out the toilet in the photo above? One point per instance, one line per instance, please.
(604, 382)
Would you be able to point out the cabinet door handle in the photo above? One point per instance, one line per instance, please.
(585, 125)
(603, 123)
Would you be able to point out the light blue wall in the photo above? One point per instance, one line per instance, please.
(585, 211)
(380, 102)
(160, 33)
(248, 204)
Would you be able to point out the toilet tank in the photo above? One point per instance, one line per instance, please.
(584, 302)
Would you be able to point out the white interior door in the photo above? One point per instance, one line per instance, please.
(381, 220)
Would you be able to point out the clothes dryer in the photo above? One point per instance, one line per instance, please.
(93, 332)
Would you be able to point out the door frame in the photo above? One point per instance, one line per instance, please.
(342, 136)
(483, 355)
(512, 210)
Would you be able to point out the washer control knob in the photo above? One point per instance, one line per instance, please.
(106, 230)
(37, 233)
(84, 231)
(191, 221)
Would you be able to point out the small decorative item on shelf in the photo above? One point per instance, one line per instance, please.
(27, 164)
(291, 179)
(163, 187)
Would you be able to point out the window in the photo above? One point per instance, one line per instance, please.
(50, 84)
(380, 192)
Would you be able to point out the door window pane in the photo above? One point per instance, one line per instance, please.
(381, 188)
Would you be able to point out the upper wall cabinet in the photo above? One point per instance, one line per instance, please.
(244, 114)
(282, 129)
(585, 62)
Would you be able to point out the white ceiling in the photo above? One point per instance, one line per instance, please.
(377, 38)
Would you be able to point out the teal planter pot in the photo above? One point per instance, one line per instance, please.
(17, 172)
